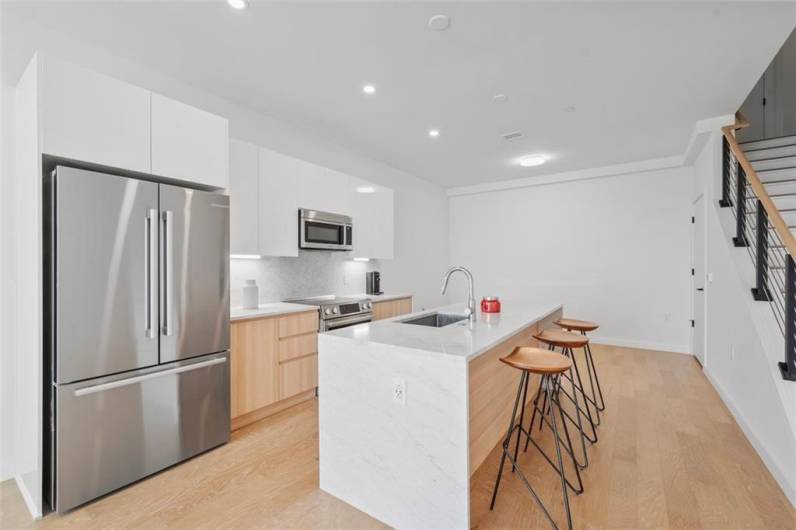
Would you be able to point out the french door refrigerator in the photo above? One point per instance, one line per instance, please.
(136, 330)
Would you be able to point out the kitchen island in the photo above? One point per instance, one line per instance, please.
(408, 412)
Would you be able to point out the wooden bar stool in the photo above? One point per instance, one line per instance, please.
(550, 365)
(567, 341)
(584, 326)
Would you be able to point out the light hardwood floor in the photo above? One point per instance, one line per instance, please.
(669, 456)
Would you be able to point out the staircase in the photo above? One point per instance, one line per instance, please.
(759, 184)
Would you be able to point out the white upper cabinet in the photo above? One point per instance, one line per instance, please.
(92, 117)
(279, 204)
(189, 144)
(323, 189)
(244, 194)
(372, 210)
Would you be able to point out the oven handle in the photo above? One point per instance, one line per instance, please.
(342, 322)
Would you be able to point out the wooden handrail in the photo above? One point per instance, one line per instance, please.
(774, 217)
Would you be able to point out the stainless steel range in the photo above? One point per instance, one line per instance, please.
(338, 312)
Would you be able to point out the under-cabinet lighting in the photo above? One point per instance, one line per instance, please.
(361, 259)
(245, 256)
(365, 189)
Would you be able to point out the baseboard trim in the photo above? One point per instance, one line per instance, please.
(641, 345)
(765, 456)
(35, 512)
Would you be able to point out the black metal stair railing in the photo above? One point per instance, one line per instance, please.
(775, 269)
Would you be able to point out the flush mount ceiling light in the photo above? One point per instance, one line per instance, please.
(433, 133)
(369, 89)
(366, 189)
(439, 22)
(500, 98)
(532, 160)
(238, 4)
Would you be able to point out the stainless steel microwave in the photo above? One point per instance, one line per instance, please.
(325, 231)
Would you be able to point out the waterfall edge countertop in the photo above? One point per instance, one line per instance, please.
(462, 339)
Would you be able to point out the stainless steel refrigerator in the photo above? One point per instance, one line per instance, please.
(136, 330)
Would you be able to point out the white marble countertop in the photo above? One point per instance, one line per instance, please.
(268, 310)
(462, 339)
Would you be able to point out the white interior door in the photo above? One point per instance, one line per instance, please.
(698, 280)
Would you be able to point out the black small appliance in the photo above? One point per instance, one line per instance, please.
(373, 283)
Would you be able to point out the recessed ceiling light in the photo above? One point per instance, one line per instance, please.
(433, 133)
(366, 189)
(369, 89)
(532, 160)
(500, 98)
(238, 4)
(439, 22)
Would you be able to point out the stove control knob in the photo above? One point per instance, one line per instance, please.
(335, 310)
(327, 311)
(367, 305)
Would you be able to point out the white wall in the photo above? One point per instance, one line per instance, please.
(615, 250)
(421, 216)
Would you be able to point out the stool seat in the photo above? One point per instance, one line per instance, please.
(575, 324)
(561, 338)
(537, 360)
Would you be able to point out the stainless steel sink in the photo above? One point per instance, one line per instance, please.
(435, 320)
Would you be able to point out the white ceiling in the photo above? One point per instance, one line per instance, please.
(638, 74)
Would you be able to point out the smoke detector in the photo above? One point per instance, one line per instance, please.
(439, 22)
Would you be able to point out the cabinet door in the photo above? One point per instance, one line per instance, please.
(244, 194)
(373, 221)
(189, 144)
(93, 118)
(323, 189)
(278, 229)
(392, 308)
(254, 358)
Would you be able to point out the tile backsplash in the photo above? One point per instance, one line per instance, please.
(312, 273)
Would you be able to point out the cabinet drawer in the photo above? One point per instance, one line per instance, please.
(298, 375)
(297, 324)
(298, 346)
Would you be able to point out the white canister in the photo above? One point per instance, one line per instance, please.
(251, 295)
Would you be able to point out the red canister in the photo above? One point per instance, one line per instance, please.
(490, 304)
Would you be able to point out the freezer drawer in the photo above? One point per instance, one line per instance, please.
(112, 431)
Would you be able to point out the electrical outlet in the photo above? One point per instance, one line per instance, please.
(667, 317)
(399, 391)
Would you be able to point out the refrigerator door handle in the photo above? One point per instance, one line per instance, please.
(151, 252)
(167, 253)
(138, 379)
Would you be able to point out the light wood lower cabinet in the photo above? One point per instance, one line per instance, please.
(274, 364)
(392, 308)
(253, 363)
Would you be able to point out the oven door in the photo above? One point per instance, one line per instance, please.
(344, 322)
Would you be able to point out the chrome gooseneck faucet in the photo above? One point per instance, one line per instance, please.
(470, 296)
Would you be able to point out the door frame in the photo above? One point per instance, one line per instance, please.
(699, 206)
